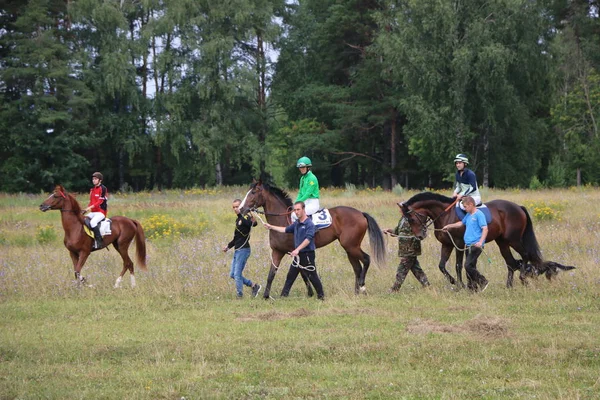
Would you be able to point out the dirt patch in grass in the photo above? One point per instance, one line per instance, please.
(480, 326)
(275, 315)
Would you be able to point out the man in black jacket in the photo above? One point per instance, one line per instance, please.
(241, 244)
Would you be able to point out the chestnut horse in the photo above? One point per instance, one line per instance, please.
(349, 227)
(80, 245)
(511, 226)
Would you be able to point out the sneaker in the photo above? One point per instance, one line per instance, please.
(483, 286)
(255, 289)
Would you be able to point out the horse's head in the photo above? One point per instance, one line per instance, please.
(416, 220)
(255, 197)
(56, 200)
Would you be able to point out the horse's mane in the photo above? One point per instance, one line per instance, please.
(279, 193)
(74, 203)
(425, 196)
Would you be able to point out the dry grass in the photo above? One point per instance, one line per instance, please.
(182, 333)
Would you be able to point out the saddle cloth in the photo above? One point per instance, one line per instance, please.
(105, 228)
(483, 208)
(321, 219)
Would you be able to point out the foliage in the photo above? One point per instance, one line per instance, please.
(161, 226)
(545, 211)
(45, 234)
(183, 94)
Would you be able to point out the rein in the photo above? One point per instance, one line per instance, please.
(255, 210)
(466, 247)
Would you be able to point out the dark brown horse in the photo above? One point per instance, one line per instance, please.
(511, 226)
(80, 245)
(349, 226)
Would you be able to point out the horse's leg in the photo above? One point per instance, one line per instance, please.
(83, 255)
(460, 255)
(445, 255)
(276, 257)
(354, 256)
(511, 263)
(123, 249)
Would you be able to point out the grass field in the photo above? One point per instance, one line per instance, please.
(182, 333)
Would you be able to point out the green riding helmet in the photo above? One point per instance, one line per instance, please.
(461, 158)
(304, 162)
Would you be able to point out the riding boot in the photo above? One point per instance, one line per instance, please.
(98, 236)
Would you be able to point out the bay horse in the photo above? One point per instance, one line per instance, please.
(511, 226)
(349, 227)
(80, 245)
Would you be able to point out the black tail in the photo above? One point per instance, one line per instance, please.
(531, 245)
(553, 267)
(376, 239)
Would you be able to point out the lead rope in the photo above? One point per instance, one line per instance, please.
(466, 247)
(295, 259)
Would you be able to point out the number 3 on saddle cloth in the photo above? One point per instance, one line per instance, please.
(105, 227)
(321, 219)
(460, 213)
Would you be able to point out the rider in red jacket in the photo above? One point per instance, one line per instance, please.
(98, 206)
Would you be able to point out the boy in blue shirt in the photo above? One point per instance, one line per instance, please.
(475, 234)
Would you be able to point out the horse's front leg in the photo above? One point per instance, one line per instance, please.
(82, 258)
(445, 255)
(276, 257)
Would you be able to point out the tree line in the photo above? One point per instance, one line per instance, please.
(162, 94)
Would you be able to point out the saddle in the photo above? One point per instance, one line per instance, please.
(482, 207)
(321, 219)
(105, 227)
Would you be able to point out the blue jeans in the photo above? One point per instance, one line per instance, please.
(237, 268)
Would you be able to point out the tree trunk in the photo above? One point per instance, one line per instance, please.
(578, 177)
(218, 174)
(394, 179)
(486, 158)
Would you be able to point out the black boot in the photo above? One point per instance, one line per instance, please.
(98, 236)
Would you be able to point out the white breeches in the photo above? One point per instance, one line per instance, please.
(476, 198)
(311, 206)
(95, 218)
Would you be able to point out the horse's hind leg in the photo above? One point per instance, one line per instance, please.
(359, 271)
(511, 263)
(459, 266)
(123, 248)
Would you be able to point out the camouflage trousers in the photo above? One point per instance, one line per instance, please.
(409, 263)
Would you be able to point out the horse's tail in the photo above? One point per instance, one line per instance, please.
(531, 245)
(140, 245)
(376, 239)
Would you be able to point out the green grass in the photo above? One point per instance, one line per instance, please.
(182, 334)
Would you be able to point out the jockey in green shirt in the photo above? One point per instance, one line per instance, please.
(309, 187)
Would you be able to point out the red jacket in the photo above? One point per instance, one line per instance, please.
(98, 196)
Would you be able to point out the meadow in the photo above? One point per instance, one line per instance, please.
(182, 334)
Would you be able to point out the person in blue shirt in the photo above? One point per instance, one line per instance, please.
(466, 181)
(304, 252)
(475, 234)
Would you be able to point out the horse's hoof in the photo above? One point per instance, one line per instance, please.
(363, 289)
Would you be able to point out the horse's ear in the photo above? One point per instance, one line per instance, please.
(403, 207)
(254, 181)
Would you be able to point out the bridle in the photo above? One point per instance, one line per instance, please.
(425, 220)
(61, 197)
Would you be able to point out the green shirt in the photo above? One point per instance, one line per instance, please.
(408, 244)
(309, 187)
